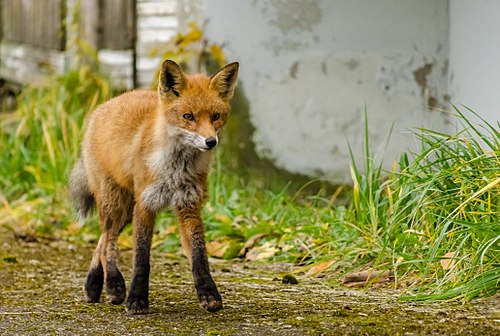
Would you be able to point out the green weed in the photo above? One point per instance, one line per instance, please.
(38, 145)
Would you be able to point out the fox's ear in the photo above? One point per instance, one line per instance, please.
(172, 80)
(224, 81)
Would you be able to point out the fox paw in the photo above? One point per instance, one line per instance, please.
(136, 306)
(115, 288)
(210, 302)
(93, 285)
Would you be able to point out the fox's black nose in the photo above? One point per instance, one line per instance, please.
(211, 142)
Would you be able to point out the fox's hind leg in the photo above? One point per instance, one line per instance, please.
(115, 211)
(193, 242)
(95, 276)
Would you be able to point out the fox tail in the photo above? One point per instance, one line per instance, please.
(80, 191)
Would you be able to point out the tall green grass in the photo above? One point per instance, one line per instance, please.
(40, 140)
(438, 215)
(38, 144)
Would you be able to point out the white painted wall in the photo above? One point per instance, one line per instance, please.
(309, 68)
(475, 56)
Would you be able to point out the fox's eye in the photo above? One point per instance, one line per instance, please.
(188, 116)
(215, 116)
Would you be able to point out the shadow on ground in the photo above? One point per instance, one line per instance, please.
(41, 294)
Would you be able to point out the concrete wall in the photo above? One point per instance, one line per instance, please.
(475, 56)
(309, 68)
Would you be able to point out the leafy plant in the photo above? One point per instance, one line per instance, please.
(442, 204)
(39, 141)
(192, 51)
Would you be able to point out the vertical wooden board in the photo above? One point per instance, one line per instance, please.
(61, 28)
(116, 25)
(57, 27)
(130, 13)
(45, 34)
(17, 19)
(13, 16)
(20, 18)
(2, 20)
(7, 24)
(45, 23)
(37, 17)
(27, 28)
(50, 32)
(28, 17)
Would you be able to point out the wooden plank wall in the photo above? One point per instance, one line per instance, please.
(37, 23)
(117, 22)
(33, 33)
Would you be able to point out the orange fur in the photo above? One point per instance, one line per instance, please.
(144, 151)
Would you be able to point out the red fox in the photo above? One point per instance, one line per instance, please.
(142, 152)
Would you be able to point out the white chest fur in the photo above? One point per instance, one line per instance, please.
(179, 171)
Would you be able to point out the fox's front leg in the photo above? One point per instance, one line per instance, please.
(143, 223)
(193, 242)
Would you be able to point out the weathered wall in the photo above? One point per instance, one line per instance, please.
(108, 26)
(157, 23)
(310, 67)
(475, 56)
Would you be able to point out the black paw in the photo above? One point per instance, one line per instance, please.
(210, 300)
(136, 305)
(115, 288)
(94, 284)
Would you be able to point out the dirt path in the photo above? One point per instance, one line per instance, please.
(41, 291)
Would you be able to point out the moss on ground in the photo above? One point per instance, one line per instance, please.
(41, 293)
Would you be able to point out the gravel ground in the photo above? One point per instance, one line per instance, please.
(41, 294)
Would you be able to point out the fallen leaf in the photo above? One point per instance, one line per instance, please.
(318, 268)
(222, 218)
(448, 261)
(125, 242)
(217, 248)
(74, 227)
(251, 242)
(265, 251)
(364, 277)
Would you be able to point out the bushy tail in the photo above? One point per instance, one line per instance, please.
(80, 191)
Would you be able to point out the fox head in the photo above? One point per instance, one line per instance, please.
(195, 107)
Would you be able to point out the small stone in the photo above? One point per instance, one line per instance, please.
(10, 259)
(289, 279)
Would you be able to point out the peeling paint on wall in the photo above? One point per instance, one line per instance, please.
(421, 74)
(310, 68)
(307, 119)
(291, 15)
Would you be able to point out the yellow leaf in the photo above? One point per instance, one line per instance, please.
(222, 218)
(194, 35)
(217, 54)
(448, 261)
(217, 248)
(318, 268)
(74, 227)
(125, 242)
(360, 279)
(265, 251)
